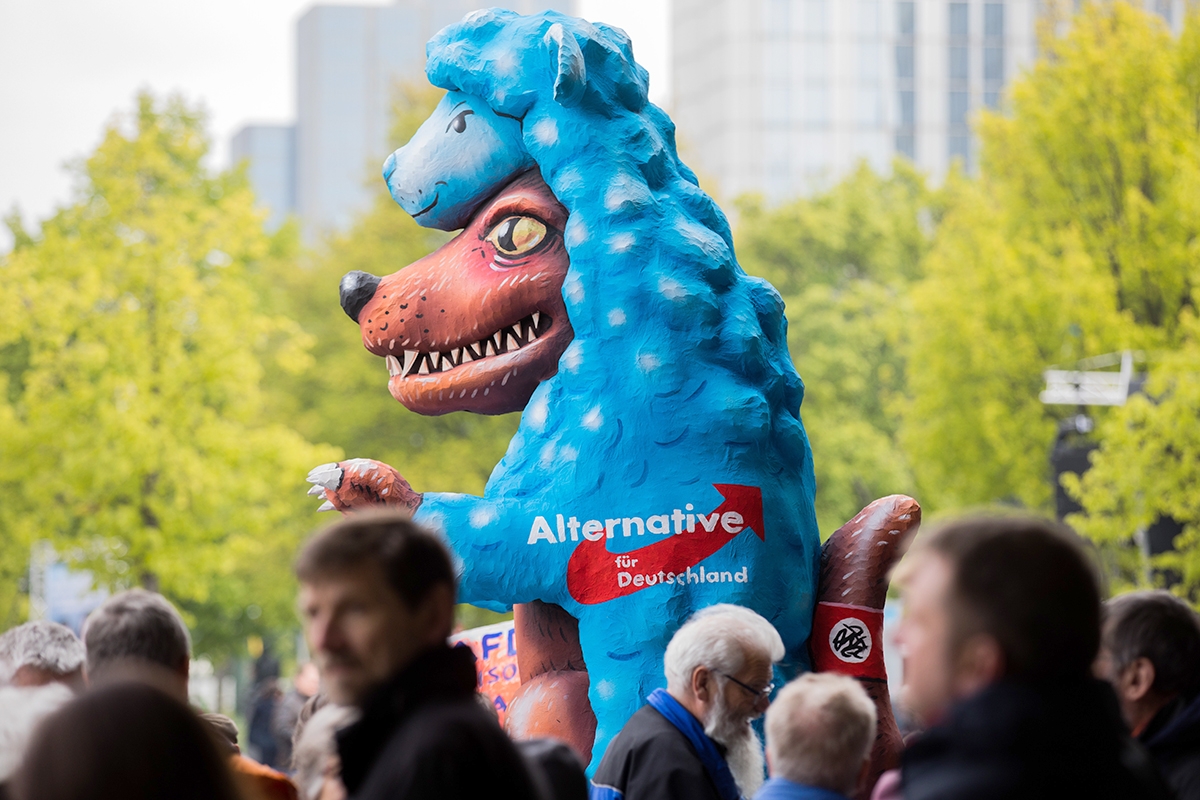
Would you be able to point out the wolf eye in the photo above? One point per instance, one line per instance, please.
(516, 236)
(459, 123)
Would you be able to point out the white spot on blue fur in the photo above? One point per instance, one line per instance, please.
(593, 419)
(482, 516)
(537, 411)
(616, 317)
(648, 362)
(569, 179)
(546, 456)
(573, 288)
(621, 242)
(505, 63)
(567, 453)
(625, 190)
(435, 522)
(671, 288)
(606, 689)
(576, 233)
(545, 131)
(572, 357)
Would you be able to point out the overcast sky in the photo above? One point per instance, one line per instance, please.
(66, 66)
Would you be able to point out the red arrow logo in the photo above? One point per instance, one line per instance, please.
(592, 570)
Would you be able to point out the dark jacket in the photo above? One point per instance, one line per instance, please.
(423, 735)
(1173, 739)
(1015, 740)
(651, 759)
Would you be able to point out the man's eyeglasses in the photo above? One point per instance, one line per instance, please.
(758, 694)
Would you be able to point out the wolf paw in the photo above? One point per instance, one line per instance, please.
(361, 483)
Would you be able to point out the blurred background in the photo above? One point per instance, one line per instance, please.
(982, 216)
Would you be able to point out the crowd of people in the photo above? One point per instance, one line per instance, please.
(1022, 681)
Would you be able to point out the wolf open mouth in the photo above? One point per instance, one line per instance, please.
(476, 325)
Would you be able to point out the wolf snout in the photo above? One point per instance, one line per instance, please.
(356, 290)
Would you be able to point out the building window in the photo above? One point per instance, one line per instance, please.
(958, 110)
(959, 69)
(960, 147)
(814, 17)
(993, 53)
(869, 56)
(778, 19)
(993, 65)
(958, 19)
(908, 109)
(905, 62)
(906, 74)
(906, 19)
(993, 20)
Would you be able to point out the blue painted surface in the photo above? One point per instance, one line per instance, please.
(678, 377)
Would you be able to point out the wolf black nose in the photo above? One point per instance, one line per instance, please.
(357, 289)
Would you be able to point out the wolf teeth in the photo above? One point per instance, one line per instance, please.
(506, 340)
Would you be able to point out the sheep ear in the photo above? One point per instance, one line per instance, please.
(572, 74)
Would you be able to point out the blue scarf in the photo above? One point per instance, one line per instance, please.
(714, 763)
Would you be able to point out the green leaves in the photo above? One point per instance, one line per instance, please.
(135, 415)
(844, 262)
(1079, 238)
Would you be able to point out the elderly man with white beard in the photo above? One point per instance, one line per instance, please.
(693, 740)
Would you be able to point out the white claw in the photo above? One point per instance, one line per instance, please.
(326, 506)
(327, 475)
(316, 490)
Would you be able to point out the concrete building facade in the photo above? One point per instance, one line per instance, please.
(785, 97)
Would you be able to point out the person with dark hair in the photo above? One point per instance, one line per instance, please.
(41, 652)
(1001, 626)
(138, 627)
(1150, 653)
(377, 596)
(127, 740)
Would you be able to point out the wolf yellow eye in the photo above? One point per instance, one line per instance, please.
(516, 236)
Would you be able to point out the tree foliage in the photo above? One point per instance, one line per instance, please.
(1079, 237)
(135, 431)
(844, 261)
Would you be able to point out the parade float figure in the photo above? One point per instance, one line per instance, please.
(660, 465)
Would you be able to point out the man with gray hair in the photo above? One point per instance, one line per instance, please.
(693, 740)
(41, 652)
(135, 628)
(819, 734)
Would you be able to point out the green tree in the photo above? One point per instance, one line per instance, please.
(135, 432)
(1079, 237)
(1148, 464)
(843, 261)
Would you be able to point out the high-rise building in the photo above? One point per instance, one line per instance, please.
(349, 60)
(270, 155)
(784, 97)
